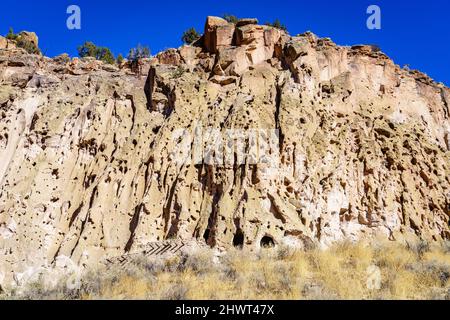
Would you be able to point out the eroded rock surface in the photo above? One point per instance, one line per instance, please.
(90, 163)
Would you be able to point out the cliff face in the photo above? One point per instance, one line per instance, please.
(247, 137)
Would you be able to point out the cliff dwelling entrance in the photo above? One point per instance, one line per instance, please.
(238, 239)
(267, 242)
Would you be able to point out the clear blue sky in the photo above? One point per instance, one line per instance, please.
(413, 32)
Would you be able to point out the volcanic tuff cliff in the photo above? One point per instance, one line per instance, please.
(88, 151)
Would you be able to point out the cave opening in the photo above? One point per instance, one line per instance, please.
(206, 235)
(267, 242)
(238, 239)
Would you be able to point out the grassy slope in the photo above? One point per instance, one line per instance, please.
(345, 271)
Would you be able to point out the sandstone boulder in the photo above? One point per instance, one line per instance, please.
(224, 36)
(29, 37)
(256, 44)
(250, 34)
(231, 61)
(271, 36)
(189, 54)
(366, 48)
(246, 21)
(257, 53)
(213, 22)
(296, 48)
(170, 56)
(218, 34)
(259, 41)
(224, 80)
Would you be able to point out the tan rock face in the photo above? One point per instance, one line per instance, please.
(287, 137)
(241, 47)
(3, 43)
(170, 56)
(218, 33)
(231, 61)
(189, 54)
(6, 44)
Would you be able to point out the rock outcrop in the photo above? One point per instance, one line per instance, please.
(3, 43)
(30, 37)
(252, 137)
(6, 44)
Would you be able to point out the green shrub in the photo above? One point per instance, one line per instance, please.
(30, 47)
(11, 35)
(277, 24)
(119, 59)
(190, 35)
(230, 18)
(89, 49)
(139, 52)
(105, 55)
(135, 55)
(62, 58)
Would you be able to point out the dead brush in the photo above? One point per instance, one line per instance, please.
(413, 271)
(176, 292)
(419, 248)
(198, 262)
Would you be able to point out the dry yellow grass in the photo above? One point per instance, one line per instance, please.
(344, 271)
